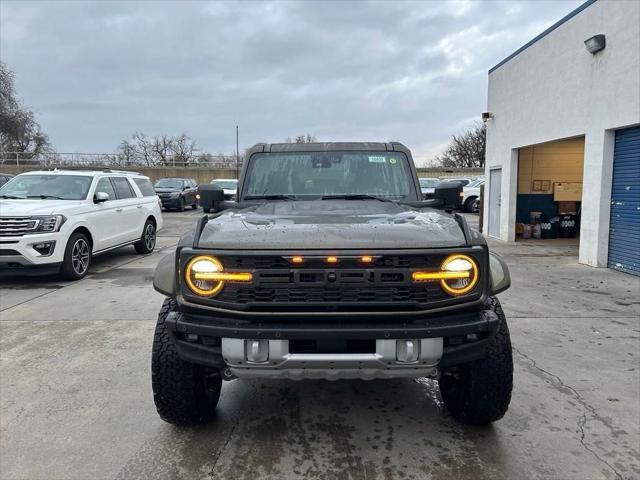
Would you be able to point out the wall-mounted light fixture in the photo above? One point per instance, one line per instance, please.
(595, 43)
(486, 116)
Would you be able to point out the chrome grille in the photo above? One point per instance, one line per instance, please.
(17, 226)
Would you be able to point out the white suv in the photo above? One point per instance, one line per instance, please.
(58, 220)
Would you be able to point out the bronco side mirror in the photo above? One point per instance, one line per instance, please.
(212, 197)
(449, 195)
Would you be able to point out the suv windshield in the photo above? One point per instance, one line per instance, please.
(168, 183)
(385, 174)
(61, 187)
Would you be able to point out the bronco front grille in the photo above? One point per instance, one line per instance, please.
(16, 226)
(384, 284)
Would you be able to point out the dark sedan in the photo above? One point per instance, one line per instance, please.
(177, 193)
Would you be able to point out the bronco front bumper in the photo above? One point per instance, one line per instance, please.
(227, 343)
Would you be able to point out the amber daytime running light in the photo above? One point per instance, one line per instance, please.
(458, 275)
(205, 276)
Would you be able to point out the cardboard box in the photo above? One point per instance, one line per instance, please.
(567, 191)
(567, 207)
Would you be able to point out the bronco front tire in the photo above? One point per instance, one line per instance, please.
(479, 392)
(183, 392)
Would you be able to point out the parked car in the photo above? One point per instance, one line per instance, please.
(58, 220)
(471, 198)
(229, 185)
(177, 193)
(463, 181)
(338, 269)
(428, 186)
(4, 178)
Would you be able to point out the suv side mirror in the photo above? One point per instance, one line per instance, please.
(212, 197)
(449, 195)
(100, 197)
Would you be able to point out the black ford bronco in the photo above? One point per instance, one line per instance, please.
(330, 265)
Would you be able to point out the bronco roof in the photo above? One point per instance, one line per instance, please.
(328, 146)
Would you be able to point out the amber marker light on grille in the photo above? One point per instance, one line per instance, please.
(297, 260)
(366, 259)
(332, 259)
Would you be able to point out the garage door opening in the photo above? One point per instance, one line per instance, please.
(550, 191)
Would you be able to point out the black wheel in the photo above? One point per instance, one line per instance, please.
(206, 210)
(479, 392)
(471, 205)
(195, 205)
(183, 392)
(181, 207)
(77, 257)
(147, 241)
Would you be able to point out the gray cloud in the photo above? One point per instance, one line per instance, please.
(410, 71)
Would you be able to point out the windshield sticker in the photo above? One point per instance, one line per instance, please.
(377, 160)
(392, 161)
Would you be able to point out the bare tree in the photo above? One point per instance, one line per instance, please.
(466, 150)
(162, 147)
(19, 131)
(308, 138)
(183, 148)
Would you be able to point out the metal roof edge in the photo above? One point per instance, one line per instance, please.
(563, 20)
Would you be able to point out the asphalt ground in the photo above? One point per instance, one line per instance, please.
(76, 402)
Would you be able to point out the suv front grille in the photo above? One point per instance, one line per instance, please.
(16, 226)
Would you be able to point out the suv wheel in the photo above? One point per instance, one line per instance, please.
(195, 205)
(183, 393)
(479, 392)
(147, 241)
(77, 257)
(181, 207)
(471, 205)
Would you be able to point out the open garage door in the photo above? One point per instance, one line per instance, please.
(624, 227)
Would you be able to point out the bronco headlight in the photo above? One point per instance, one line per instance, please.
(458, 274)
(205, 276)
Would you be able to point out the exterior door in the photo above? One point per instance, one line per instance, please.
(495, 193)
(624, 224)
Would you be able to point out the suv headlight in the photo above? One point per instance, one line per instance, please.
(458, 274)
(48, 224)
(205, 276)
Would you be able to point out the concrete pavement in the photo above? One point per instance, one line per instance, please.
(76, 403)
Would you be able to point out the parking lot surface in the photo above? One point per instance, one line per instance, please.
(76, 402)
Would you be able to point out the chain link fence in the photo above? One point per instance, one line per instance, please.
(109, 160)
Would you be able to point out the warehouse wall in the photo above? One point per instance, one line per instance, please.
(555, 89)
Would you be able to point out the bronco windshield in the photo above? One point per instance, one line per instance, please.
(383, 174)
(57, 187)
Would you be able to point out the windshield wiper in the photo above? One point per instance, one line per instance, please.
(355, 196)
(13, 197)
(45, 197)
(270, 197)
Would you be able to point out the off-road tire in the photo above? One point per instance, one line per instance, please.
(67, 270)
(479, 392)
(182, 393)
(145, 245)
(181, 207)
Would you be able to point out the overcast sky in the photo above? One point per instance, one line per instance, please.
(416, 72)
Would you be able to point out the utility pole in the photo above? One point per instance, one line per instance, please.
(237, 155)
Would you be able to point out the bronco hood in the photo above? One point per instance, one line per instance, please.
(331, 224)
